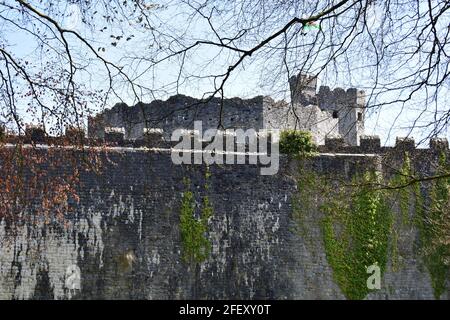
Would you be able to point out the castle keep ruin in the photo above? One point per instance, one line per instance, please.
(326, 114)
(122, 238)
(334, 113)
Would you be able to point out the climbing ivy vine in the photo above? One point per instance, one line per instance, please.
(403, 190)
(431, 217)
(194, 227)
(433, 227)
(356, 234)
(355, 225)
(359, 227)
(407, 198)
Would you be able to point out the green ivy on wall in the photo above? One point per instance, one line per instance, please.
(402, 188)
(359, 227)
(355, 225)
(406, 197)
(433, 225)
(431, 219)
(356, 230)
(194, 228)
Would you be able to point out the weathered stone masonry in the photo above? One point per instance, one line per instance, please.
(326, 114)
(124, 235)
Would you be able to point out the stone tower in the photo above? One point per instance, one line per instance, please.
(347, 106)
(303, 89)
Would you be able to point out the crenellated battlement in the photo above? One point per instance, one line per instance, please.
(372, 145)
(346, 106)
(325, 114)
(134, 203)
(304, 92)
(350, 96)
(157, 138)
(335, 118)
(133, 206)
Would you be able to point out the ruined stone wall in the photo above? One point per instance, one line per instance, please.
(348, 105)
(124, 236)
(179, 112)
(306, 118)
(257, 113)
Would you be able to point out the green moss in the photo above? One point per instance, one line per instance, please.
(193, 228)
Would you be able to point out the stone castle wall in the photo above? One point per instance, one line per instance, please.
(179, 112)
(327, 114)
(306, 118)
(124, 235)
(345, 106)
